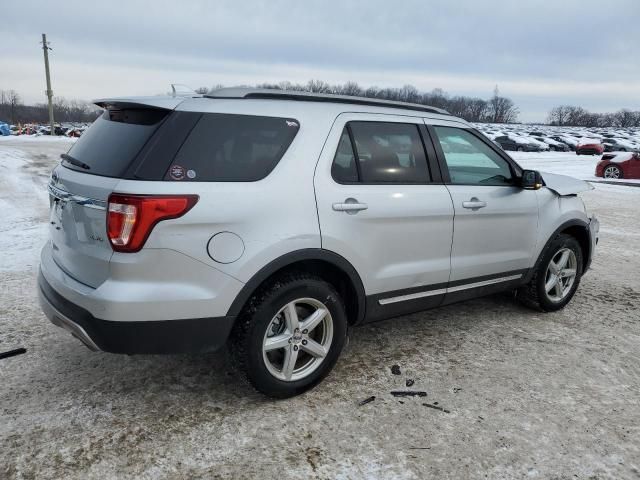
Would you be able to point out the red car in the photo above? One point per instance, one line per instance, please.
(619, 165)
(587, 146)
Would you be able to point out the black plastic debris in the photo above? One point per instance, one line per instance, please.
(436, 407)
(409, 393)
(367, 400)
(409, 382)
(12, 353)
(395, 369)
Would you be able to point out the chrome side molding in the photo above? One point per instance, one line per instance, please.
(441, 291)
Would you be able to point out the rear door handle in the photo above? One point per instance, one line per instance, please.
(350, 205)
(474, 204)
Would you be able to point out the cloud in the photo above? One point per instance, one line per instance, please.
(534, 50)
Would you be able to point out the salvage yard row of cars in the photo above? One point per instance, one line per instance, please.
(64, 129)
(527, 138)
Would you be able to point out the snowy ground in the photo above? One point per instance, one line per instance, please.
(527, 395)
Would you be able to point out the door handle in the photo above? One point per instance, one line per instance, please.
(350, 205)
(474, 204)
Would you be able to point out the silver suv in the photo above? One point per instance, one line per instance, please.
(272, 221)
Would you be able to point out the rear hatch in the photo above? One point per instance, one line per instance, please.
(80, 187)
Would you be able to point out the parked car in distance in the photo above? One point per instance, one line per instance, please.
(619, 145)
(570, 141)
(554, 145)
(175, 227)
(619, 165)
(517, 143)
(589, 146)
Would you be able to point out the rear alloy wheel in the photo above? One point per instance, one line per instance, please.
(556, 275)
(298, 339)
(290, 335)
(612, 171)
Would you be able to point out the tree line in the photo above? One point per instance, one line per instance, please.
(13, 110)
(572, 116)
(497, 109)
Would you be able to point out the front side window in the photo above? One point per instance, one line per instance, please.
(232, 148)
(384, 152)
(470, 161)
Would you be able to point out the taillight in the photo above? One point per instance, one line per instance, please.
(130, 218)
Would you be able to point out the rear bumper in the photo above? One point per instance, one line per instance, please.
(196, 335)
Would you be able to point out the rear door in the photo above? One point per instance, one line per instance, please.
(80, 187)
(380, 208)
(496, 221)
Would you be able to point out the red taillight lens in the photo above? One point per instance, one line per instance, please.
(130, 218)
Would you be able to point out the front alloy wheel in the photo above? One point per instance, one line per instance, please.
(556, 275)
(298, 339)
(560, 275)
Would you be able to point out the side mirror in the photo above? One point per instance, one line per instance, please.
(531, 180)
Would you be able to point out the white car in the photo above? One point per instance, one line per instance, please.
(273, 221)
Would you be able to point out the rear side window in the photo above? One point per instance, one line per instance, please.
(344, 168)
(112, 142)
(232, 148)
(384, 153)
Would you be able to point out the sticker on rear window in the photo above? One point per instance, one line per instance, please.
(177, 172)
(291, 124)
(191, 174)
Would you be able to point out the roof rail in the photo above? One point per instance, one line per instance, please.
(273, 94)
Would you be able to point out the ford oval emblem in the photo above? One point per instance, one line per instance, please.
(54, 177)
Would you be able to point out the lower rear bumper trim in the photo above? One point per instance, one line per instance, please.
(194, 335)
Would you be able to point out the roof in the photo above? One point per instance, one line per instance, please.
(273, 94)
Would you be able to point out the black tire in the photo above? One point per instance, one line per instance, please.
(533, 294)
(246, 341)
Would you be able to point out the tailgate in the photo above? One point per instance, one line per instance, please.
(78, 224)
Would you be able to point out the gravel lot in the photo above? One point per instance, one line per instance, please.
(523, 394)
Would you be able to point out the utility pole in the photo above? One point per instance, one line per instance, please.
(46, 49)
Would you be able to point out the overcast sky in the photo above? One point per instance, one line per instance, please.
(539, 53)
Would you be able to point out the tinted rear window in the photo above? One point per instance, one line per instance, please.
(232, 148)
(112, 142)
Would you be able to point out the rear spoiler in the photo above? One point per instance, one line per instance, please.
(160, 102)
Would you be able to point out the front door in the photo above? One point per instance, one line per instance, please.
(496, 221)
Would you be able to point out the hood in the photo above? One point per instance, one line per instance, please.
(564, 185)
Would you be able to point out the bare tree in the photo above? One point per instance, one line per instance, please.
(13, 100)
(502, 109)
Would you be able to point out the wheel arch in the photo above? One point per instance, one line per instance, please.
(579, 230)
(328, 265)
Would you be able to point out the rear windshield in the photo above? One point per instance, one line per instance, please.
(112, 142)
(232, 148)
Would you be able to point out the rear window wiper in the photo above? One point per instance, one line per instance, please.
(74, 161)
